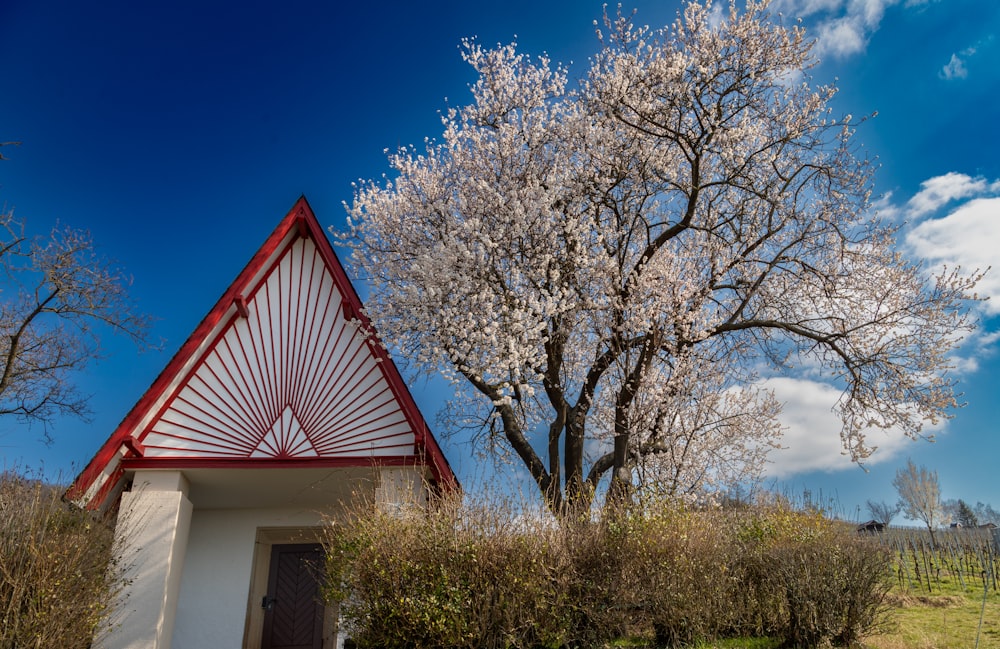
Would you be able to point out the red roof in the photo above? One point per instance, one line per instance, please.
(285, 370)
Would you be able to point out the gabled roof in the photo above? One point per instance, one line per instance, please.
(285, 370)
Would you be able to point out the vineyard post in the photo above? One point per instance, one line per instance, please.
(986, 582)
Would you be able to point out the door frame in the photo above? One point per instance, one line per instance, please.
(267, 537)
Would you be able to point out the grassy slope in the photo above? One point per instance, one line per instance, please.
(943, 621)
(941, 607)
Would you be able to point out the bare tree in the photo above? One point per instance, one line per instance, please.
(604, 270)
(920, 495)
(986, 514)
(57, 295)
(882, 511)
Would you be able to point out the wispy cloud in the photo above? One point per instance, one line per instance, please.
(936, 192)
(842, 27)
(956, 67)
(967, 236)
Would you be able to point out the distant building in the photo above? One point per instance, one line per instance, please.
(871, 527)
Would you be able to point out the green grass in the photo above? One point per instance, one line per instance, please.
(943, 612)
(944, 620)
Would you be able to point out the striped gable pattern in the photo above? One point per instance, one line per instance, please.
(283, 370)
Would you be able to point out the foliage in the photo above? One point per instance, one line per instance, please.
(920, 495)
(611, 264)
(833, 590)
(58, 569)
(57, 293)
(487, 576)
(966, 517)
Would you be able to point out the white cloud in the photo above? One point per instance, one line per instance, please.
(716, 17)
(954, 69)
(939, 190)
(885, 208)
(811, 440)
(841, 37)
(870, 11)
(841, 27)
(804, 8)
(969, 237)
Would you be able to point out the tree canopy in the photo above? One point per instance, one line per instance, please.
(607, 268)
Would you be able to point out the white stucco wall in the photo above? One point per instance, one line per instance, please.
(212, 608)
(152, 531)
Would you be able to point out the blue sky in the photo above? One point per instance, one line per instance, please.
(180, 133)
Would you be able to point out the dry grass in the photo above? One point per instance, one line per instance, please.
(55, 581)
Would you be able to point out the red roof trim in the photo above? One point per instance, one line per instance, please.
(303, 221)
(134, 464)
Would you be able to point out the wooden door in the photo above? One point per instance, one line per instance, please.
(293, 616)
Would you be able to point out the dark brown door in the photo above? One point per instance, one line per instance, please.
(293, 617)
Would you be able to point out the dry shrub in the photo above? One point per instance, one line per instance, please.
(457, 576)
(662, 573)
(815, 581)
(56, 585)
(485, 576)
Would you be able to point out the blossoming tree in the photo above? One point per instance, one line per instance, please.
(606, 268)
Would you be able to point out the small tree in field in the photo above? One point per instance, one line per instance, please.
(986, 514)
(920, 495)
(56, 293)
(882, 511)
(606, 268)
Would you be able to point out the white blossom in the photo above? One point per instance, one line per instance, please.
(602, 264)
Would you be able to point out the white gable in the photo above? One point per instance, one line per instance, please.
(292, 378)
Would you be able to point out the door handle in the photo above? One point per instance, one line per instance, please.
(268, 602)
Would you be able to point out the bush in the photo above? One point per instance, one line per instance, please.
(487, 577)
(834, 589)
(55, 583)
(453, 577)
(661, 573)
(812, 581)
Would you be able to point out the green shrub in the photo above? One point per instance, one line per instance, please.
(55, 582)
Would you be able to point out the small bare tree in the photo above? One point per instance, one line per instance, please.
(920, 495)
(882, 511)
(57, 293)
(985, 513)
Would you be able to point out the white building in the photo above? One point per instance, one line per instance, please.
(274, 413)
